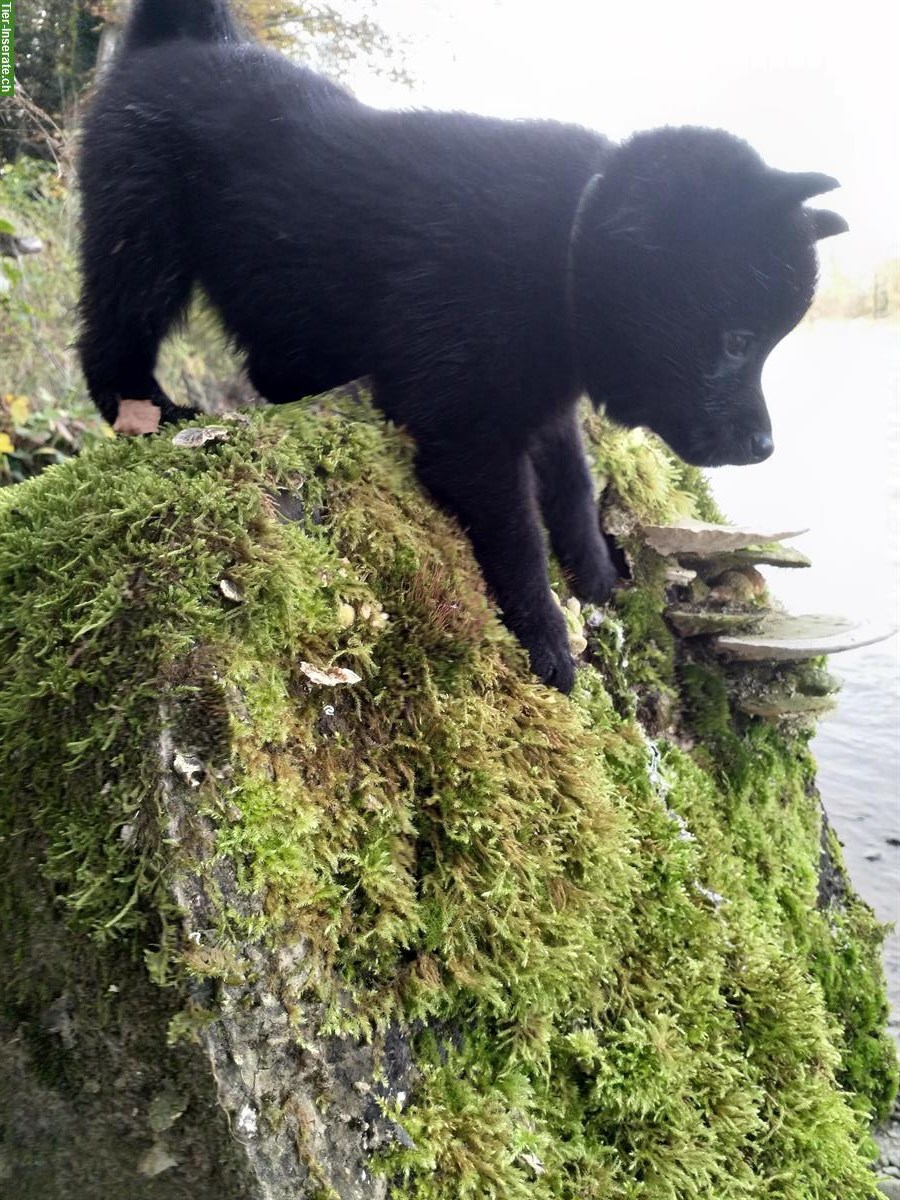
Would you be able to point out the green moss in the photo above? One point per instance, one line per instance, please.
(650, 482)
(708, 711)
(845, 947)
(621, 983)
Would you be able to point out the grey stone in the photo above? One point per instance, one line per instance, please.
(832, 889)
(14, 244)
(155, 1161)
(26, 244)
(253, 1102)
(165, 1109)
(288, 505)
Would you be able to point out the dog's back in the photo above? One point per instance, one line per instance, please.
(220, 163)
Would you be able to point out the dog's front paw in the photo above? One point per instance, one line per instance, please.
(551, 658)
(172, 414)
(593, 580)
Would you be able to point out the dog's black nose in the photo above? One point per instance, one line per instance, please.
(761, 446)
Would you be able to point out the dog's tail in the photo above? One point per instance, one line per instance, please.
(154, 21)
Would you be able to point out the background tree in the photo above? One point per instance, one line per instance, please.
(870, 295)
(60, 42)
(56, 48)
(325, 35)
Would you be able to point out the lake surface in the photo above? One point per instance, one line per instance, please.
(833, 389)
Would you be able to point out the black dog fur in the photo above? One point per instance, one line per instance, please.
(483, 273)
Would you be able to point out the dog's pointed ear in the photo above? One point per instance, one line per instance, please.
(826, 223)
(785, 188)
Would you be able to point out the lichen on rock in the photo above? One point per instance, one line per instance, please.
(437, 932)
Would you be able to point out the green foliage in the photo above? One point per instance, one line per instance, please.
(45, 415)
(38, 303)
(56, 47)
(42, 437)
(330, 36)
(844, 954)
(876, 297)
(39, 311)
(619, 982)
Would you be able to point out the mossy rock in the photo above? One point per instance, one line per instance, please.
(439, 933)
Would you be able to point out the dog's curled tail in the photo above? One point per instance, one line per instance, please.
(151, 22)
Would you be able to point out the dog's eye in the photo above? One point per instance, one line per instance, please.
(736, 343)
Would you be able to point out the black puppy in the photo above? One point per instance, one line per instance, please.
(483, 273)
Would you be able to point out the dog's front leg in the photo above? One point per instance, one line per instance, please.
(491, 491)
(569, 507)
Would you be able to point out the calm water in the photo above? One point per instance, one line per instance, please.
(834, 394)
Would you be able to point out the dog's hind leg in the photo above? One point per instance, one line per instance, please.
(275, 385)
(136, 283)
(490, 489)
(569, 507)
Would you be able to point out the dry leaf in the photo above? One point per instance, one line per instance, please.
(189, 768)
(18, 408)
(137, 417)
(532, 1160)
(330, 677)
(191, 439)
(231, 591)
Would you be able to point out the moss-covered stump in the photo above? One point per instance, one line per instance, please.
(438, 933)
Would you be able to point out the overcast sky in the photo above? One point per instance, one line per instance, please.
(812, 86)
